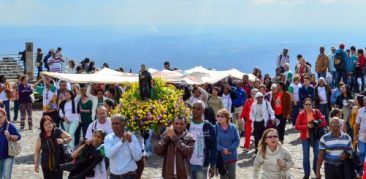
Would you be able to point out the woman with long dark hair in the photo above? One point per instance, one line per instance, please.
(50, 146)
(69, 114)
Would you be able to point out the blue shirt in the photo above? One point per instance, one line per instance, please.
(4, 142)
(228, 139)
(241, 97)
(331, 62)
(334, 147)
(351, 63)
(122, 155)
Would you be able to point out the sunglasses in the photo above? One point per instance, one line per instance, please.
(220, 116)
(272, 137)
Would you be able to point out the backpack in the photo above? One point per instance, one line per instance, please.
(338, 60)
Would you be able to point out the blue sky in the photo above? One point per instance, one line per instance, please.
(152, 13)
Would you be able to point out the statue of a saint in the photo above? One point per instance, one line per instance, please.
(145, 83)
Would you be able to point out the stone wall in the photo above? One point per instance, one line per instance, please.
(10, 68)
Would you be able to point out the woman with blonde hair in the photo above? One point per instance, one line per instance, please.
(227, 143)
(274, 159)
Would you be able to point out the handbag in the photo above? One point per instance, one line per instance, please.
(14, 148)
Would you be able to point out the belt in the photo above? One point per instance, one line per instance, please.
(125, 174)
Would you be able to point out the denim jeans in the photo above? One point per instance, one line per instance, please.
(149, 147)
(198, 172)
(7, 108)
(70, 128)
(362, 84)
(306, 155)
(6, 167)
(341, 75)
(323, 74)
(231, 168)
(334, 79)
(295, 113)
(16, 110)
(362, 151)
(325, 111)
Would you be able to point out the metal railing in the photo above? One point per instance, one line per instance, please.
(17, 57)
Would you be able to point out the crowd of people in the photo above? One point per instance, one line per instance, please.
(78, 133)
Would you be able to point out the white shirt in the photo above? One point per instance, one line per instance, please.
(68, 112)
(322, 95)
(227, 102)
(264, 111)
(361, 120)
(55, 66)
(296, 91)
(3, 95)
(122, 155)
(198, 155)
(100, 169)
(106, 127)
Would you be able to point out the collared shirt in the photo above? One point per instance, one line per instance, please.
(122, 155)
(361, 120)
(334, 147)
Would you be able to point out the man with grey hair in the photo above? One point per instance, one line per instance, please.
(102, 122)
(322, 97)
(122, 149)
(205, 148)
(335, 148)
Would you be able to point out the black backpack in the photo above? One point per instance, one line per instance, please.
(339, 61)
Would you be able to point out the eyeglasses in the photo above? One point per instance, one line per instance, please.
(307, 104)
(220, 116)
(272, 137)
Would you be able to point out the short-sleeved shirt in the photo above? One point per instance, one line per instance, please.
(106, 127)
(334, 147)
(361, 120)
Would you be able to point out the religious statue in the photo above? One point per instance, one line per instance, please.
(145, 83)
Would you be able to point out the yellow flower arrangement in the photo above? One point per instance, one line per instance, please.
(165, 103)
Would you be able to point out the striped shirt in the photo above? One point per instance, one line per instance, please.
(334, 147)
(55, 65)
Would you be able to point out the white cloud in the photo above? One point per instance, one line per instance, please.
(281, 2)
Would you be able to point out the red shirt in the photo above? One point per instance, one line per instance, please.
(278, 104)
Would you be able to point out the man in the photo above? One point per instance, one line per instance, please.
(306, 91)
(167, 66)
(331, 68)
(102, 122)
(145, 83)
(334, 149)
(360, 131)
(39, 62)
(340, 58)
(322, 63)
(247, 86)
(351, 66)
(241, 97)
(54, 62)
(205, 148)
(49, 97)
(283, 58)
(45, 59)
(177, 145)
(322, 98)
(123, 150)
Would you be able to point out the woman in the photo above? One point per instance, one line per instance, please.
(89, 159)
(262, 115)
(352, 119)
(71, 68)
(5, 94)
(310, 122)
(50, 145)
(302, 69)
(274, 159)
(15, 97)
(69, 114)
(85, 106)
(227, 144)
(258, 74)
(343, 103)
(268, 82)
(245, 114)
(7, 132)
(227, 99)
(25, 102)
(214, 100)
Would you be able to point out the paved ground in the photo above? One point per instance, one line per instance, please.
(24, 165)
